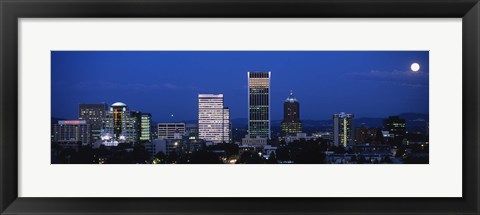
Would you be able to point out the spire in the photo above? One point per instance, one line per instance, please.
(291, 98)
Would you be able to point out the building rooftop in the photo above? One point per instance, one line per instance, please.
(119, 104)
(291, 98)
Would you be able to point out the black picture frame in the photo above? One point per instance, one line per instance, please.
(12, 10)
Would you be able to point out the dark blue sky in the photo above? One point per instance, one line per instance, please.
(366, 83)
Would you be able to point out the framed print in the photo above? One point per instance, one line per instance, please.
(251, 107)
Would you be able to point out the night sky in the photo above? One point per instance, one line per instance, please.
(365, 83)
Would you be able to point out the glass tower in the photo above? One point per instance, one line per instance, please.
(259, 104)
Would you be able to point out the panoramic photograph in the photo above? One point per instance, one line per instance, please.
(240, 107)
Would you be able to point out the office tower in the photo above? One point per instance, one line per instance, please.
(171, 130)
(137, 117)
(227, 125)
(121, 124)
(72, 131)
(343, 129)
(213, 118)
(259, 104)
(396, 126)
(93, 114)
(291, 124)
(145, 125)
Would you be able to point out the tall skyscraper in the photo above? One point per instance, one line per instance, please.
(93, 114)
(396, 126)
(259, 104)
(291, 124)
(145, 125)
(121, 124)
(343, 129)
(213, 118)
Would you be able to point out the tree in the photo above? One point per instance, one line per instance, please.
(121, 157)
(140, 154)
(250, 158)
(361, 159)
(307, 153)
(204, 157)
(272, 159)
(354, 158)
(416, 160)
(386, 159)
(172, 157)
(283, 153)
(160, 158)
(84, 155)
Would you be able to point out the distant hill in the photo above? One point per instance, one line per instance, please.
(414, 121)
(54, 120)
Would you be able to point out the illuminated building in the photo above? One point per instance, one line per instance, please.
(343, 129)
(93, 114)
(191, 131)
(259, 104)
(298, 137)
(167, 146)
(121, 124)
(227, 126)
(171, 130)
(154, 130)
(145, 125)
(213, 119)
(257, 142)
(291, 123)
(324, 135)
(368, 135)
(395, 126)
(72, 131)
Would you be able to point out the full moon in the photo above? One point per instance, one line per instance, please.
(415, 67)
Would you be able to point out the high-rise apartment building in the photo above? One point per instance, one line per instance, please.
(343, 129)
(259, 104)
(93, 114)
(145, 125)
(291, 124)
(121, 124)
(213, 118)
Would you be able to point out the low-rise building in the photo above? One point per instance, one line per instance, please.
(298, 137)
(72, 131)
(257, 142)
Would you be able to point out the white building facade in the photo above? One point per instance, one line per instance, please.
(213, 118)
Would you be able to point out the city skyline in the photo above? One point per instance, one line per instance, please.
(405, 91)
